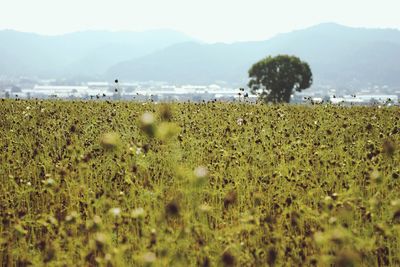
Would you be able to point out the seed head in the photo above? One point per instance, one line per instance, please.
(138, 213)
(228, 259)
(149, 257)
(388, 148)
(201, 172)
(172, 208)
(147, 118)
(230, 199)
(165, 112)
(116, 212)
(110, 141)
(148, 126)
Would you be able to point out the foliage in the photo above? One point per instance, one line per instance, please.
(275, 79)
(125, 184)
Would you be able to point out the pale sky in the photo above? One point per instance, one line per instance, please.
(207, 20)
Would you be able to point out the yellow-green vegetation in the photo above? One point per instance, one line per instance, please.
(132, 184)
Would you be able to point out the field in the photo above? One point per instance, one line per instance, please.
(209, 184)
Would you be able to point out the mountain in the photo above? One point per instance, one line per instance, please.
(88, 53)
(338, 55)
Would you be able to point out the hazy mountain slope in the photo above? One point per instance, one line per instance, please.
(338, 55)
(81, 53)
(187, 62)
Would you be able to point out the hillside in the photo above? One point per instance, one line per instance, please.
(88, 53)
(338, 55)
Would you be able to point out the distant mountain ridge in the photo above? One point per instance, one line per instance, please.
(88, 53)
(338, 55)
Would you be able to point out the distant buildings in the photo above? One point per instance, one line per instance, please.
(365, 99)
(161, 91)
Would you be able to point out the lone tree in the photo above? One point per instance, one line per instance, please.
(275, 79)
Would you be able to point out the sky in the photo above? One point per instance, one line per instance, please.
(207, 20)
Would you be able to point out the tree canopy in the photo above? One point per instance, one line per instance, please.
(275, 79)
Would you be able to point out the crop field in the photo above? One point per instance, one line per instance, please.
(208, 184)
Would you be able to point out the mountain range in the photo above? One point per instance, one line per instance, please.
(88, 53)
(338, 56)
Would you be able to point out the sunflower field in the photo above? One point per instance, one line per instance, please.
(114, 183)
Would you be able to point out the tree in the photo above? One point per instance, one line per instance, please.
(274, 79)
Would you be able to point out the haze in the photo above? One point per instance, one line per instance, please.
(207, 20)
